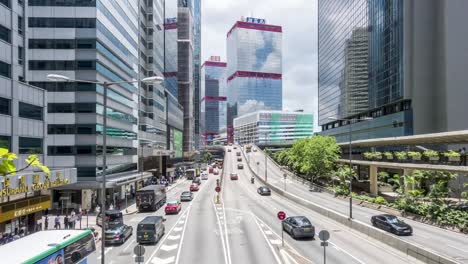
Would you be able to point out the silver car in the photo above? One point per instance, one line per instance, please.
(298, 227)
(186, 196)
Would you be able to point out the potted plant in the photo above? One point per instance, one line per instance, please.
(431, 155)
(452, 156)
(369, 155)
(388, 155)
(401, 155)
(415, 155)
(378, 155)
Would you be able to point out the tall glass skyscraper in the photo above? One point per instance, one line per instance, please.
(398, 62)
(213, 99)
(254, 70)
(170, 47)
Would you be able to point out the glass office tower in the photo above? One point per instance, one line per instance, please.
(170, 47)
(254, 70)
(213, 99)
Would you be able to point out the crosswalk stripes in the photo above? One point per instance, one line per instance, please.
(168, 260)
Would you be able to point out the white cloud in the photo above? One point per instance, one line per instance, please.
(299, 21)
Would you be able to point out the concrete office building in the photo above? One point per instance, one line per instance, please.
(23, 127)
(213, 99)
(196, 70)
(415, 64)
(254, 68)
(106, 41)
(273, 127)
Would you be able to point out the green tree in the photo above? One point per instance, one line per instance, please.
(207, 157)
(7, 165)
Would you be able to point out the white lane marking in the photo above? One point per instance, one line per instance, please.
(174, 237)
(129, 244)
(163, 261)
(181, 222)
(275, 241)
(286, 257)
(177, 229)
(268, 232)
(161, 242)
(457, 248)
(221, 235)
(166, 247)
(226, 236)
(181, 240)
(268, 242)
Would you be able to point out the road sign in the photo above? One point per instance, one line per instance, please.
(218, 189)
(139, 259)
(324, 244)
(139, 250)
(281, 215)
(324, 235)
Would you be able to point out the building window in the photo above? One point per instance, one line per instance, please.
(5, 106)
(5, 69)
(5, 142)
(20, 55)
(62, 2)
(60, 150)
(20, 25)
(30, 111)
(60, 22)
(5, 34)
(5, 3)
(20, 2)
(30, 145)
(60, 108)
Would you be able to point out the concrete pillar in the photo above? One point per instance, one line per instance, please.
(374, 188)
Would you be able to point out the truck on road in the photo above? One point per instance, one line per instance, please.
(151, 197)
(191, 174)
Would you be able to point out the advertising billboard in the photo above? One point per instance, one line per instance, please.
(177, 142)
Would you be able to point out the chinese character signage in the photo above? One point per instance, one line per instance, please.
(255, 20)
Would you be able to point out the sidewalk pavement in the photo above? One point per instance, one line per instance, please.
(132, 209)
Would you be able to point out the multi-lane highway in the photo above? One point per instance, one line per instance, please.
(447, 243)
(244, 228)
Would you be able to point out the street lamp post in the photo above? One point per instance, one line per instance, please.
(350, 161)
(105, 85)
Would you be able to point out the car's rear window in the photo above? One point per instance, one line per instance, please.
(172, 204)
(145, 227)
(303, 222)
(185, 194)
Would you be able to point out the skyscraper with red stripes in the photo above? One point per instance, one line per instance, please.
(254, 69)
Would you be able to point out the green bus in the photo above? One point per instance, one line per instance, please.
(52, 246)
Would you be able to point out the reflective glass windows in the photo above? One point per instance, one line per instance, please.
(5, 106)
(28, 145)
(30, 111)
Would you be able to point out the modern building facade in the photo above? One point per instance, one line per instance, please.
(105, 41)
(185, 72)
(273, 127)
(196, 70)
(170, 47)
(254, 68)
(412, 87)
(213, 99)
(23, 128)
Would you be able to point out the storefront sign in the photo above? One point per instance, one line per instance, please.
(23, 186)
(23, 207)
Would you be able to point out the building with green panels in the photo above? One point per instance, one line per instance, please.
(273, 127)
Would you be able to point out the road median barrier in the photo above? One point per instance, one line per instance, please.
(419, 252)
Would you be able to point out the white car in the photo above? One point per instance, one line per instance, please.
(204, 176)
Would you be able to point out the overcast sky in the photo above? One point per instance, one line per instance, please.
(299, 21)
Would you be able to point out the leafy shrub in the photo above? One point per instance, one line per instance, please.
(388, 155)
(451, 153)
(415, 155)
(380, 200)
(401, 155)
(430, 153)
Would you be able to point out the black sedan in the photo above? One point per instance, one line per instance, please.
(118, 234)
(392, 224)
(298, 227)
(264, 190)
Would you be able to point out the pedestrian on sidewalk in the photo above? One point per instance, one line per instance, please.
(46, 223)
(463, 156)
(66, 222)
(57, 222)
